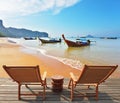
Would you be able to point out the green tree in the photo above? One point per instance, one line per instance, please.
(2, 35)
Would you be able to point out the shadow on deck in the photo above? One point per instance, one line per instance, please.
(109, 92)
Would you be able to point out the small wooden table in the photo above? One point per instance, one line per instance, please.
(57, 83)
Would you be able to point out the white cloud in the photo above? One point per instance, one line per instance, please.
(15, 8)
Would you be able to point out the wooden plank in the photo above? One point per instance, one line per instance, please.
(109, 92)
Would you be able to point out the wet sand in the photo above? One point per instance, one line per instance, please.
(12, 54)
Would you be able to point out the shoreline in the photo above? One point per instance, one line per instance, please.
(16, 56)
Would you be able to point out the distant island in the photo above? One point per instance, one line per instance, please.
(88, 36)
(15, 32)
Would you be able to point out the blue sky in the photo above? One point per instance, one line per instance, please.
(71, 17)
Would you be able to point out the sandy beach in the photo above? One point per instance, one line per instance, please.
(12, 54)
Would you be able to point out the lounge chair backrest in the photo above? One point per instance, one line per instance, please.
(96, 74)
(23, 74)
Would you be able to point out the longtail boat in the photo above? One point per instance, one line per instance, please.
(75, 44)
(50, 40)
(30, 38)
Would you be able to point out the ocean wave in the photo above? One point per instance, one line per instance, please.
(73, 63)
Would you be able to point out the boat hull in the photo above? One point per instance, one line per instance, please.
(75, 44)
(49, 41)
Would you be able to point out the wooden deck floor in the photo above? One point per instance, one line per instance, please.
(109, 92)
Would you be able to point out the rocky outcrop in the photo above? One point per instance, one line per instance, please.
(15, 32)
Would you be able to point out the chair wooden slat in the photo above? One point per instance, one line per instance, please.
(26, 75)
(91, 75)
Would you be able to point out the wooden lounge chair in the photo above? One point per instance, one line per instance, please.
(91, 76)
(26, 75)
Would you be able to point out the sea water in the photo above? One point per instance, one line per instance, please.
(100, 51)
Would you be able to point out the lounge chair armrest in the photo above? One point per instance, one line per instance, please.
(74, 78)
(44, 75)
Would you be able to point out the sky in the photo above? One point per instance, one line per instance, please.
(69, 17)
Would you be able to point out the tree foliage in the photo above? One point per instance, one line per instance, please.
(2, 34)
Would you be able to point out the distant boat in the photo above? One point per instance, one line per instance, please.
(30, 38)
(51, 40)
(111, 37)
(77, 43)
(108, 37)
